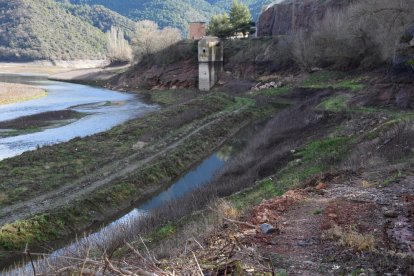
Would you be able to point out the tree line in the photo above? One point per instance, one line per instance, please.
(149, 38)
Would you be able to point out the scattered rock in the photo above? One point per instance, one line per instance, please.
(321, 186)
(267, 228)
(390, 214)
(269, 85)
(308, 189)
(332, 215)
(139, 145)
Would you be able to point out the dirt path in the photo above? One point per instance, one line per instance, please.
(320, 228)
(105, 175)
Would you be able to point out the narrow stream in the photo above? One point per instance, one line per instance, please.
(103, 108)
(197, 177)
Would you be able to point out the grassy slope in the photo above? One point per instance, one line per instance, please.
(60, 164)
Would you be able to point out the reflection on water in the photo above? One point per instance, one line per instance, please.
(61, 96)
(192, 180)
(201, 175)
(226, 152)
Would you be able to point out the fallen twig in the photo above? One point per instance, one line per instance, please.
(198, 265)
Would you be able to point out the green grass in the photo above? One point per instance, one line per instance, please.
(318, 212)
(164, 232)
(76, 157)
(312, 159)
(37, 229)
(50, 167)
(391, 178)
(329, 149)
(11, 133)
(336, 80)
(244, 102)
(374, 133)
(263, 190)
(275, 91)
(337, 103)
(169, 97)
(119, 195)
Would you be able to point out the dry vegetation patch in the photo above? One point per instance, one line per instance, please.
(14, 93)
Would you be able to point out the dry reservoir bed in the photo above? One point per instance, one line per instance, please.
(14, 93)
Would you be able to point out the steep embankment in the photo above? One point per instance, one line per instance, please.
(174, 67)
(44, 29)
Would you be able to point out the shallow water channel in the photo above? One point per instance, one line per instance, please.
(200, 175)
(101, 110)
(196, 177)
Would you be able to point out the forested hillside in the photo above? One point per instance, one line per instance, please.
(44, 29)
(74, 29)
(171, 12)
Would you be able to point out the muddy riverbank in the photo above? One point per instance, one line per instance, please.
(69, 111)
(14, 93)
(124, 165)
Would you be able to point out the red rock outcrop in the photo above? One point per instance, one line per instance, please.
(292, 15)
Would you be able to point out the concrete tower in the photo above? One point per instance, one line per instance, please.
(210, 60)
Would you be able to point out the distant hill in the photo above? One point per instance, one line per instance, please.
(45, 29)
(172, 12)
(74, 29)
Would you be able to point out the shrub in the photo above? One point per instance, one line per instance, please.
(351, 238)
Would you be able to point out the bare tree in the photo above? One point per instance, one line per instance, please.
(145, 36)
(149, 38)
(118, 48)
(169, 36)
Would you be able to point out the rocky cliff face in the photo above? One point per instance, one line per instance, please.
(291, 15)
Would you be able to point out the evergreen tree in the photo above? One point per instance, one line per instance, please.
(220, 26)
(241, 18)
(239, 21)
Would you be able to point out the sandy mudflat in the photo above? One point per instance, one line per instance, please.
(14, 93)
